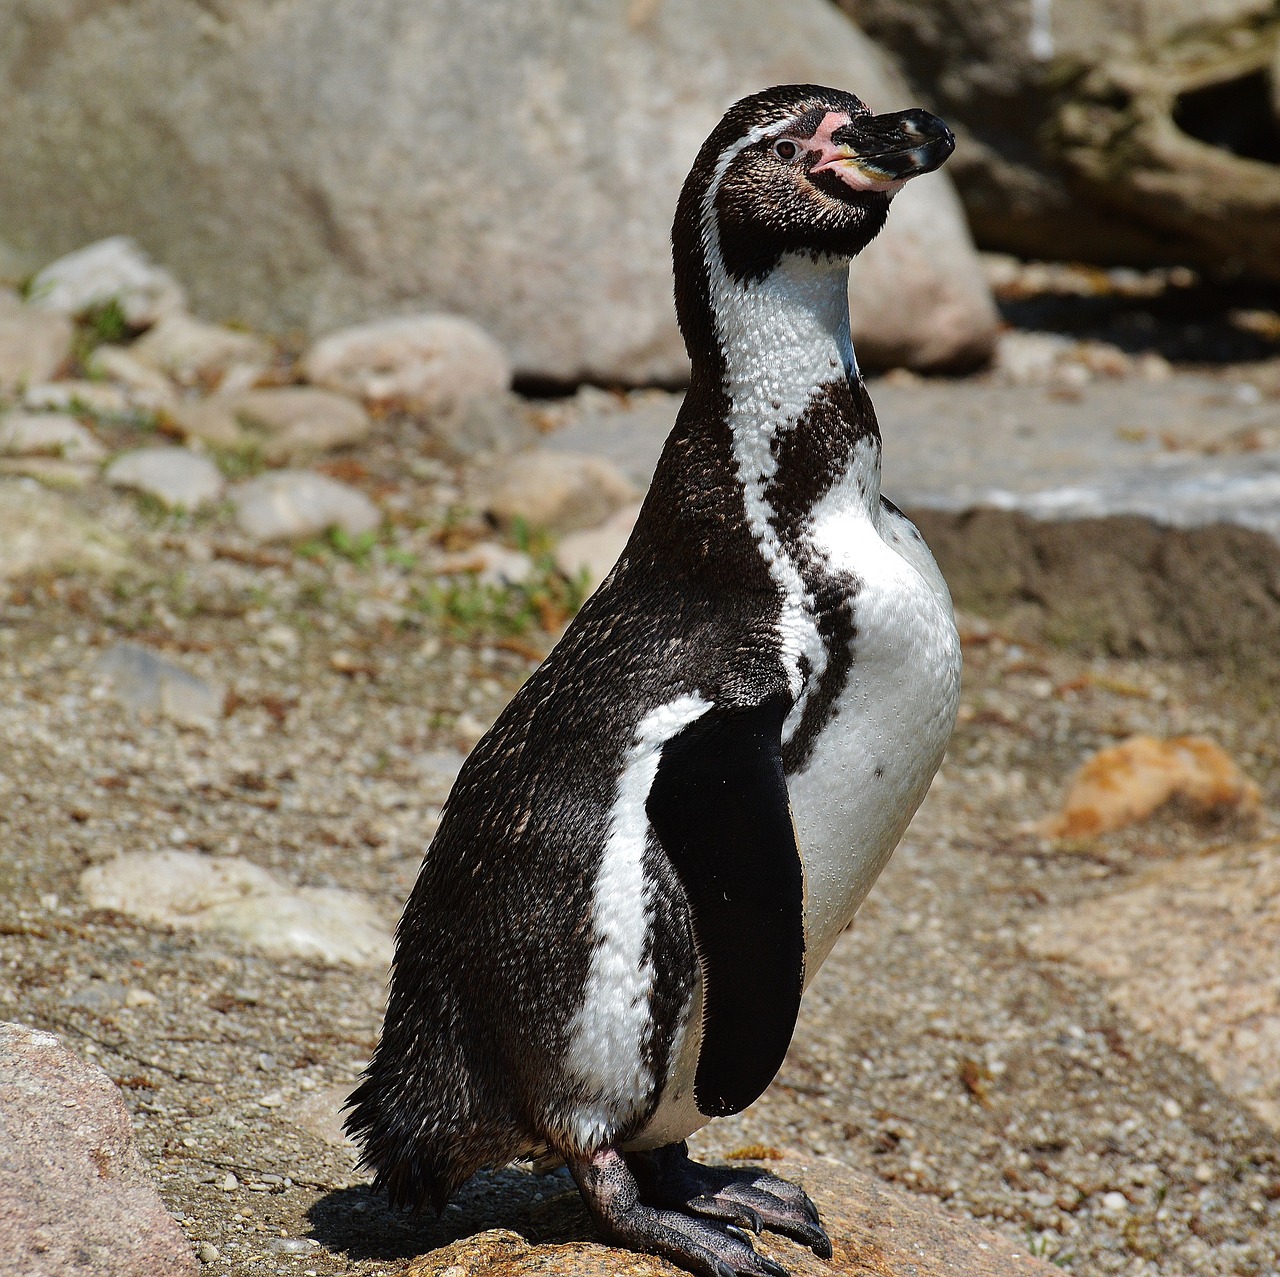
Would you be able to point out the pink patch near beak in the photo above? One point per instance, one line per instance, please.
(834, 157)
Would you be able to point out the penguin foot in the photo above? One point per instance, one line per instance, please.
(704, 1243)
(747, 1198)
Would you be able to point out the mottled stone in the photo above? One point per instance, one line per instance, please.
(75, 1194)
(180, 478)
(298, 421)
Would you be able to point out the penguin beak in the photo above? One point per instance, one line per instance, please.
(881, 152)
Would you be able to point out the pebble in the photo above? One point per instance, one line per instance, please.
(192, 351)
(146, 387)
(229, 1183)
(49, 434)
(148, 683)
(594, 551)
(291, 505)
(559, 491)
(34, 344)
(92, 397)
(426, 364)
(207, 1252)
(490, 562)
(40, 531)
(112, 270)
(236, 898)
(1114, 1202)
(181, 479)
(291, 422)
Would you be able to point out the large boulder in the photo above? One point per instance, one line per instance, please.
(314, 165)
(75, 1194)
(1133, 131)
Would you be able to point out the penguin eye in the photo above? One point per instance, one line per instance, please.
(785, 149)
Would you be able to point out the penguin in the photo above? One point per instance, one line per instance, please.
(650, 854)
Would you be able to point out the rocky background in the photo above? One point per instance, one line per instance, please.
(336, 351)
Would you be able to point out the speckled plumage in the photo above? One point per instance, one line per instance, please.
(575, 965)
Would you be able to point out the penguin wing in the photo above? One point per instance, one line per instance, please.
(719, 808)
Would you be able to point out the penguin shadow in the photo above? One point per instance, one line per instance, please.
(360, 1224)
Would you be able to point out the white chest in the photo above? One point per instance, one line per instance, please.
(872, 763)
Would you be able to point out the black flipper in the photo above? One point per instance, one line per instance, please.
(719, 808)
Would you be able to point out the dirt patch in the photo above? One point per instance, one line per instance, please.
(1124, 586)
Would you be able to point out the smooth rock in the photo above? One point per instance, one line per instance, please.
(594, 551)
(292, 422)
(180, 478)
(560, 491)
(92, 397)
(489, 562)
(190, 350)
(428, 364)
(34, 344)
(112, 270)
(41, 531)
(1188, 951)
(75, 1194)
(244, 902)
(146, 387)
(876, 1231)
(211, 420)
(148, 683)
(51, 434)
(353, 191)
(290, 505)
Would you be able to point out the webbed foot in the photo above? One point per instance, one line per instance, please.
(709, 1244)
(749, 1198)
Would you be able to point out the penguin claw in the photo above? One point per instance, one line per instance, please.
(738, 1213)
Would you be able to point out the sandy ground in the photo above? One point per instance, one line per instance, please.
(932, 1050)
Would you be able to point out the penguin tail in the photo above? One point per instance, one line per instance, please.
(425, 1130)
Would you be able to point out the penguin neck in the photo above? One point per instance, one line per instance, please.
(783, 357)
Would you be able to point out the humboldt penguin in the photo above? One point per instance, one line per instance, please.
(654, 848)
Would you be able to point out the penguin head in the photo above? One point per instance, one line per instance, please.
(799, 169)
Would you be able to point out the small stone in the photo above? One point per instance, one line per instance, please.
(146, 387)
(594, 551)
(1114, 1203)
(560, 491)
(236, 898)
(34, 344)
(77, 396)
(76, 1195)
(181, 479)
(291, 505)
(140, 998)
(112, 270)
(147, 683)
(272, 1100)
(42, 532)
(49, 434)
(298, 421)
(229, 1183)
(212, 421)
(491, 563)
(431, 365)
(49, 472)
(207, 1252)
(320, 1114)
(191, 351)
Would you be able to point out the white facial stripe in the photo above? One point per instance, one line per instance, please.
(782, 338)
(607, 1035)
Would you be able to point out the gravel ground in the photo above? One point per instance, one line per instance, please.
(933, 1050)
